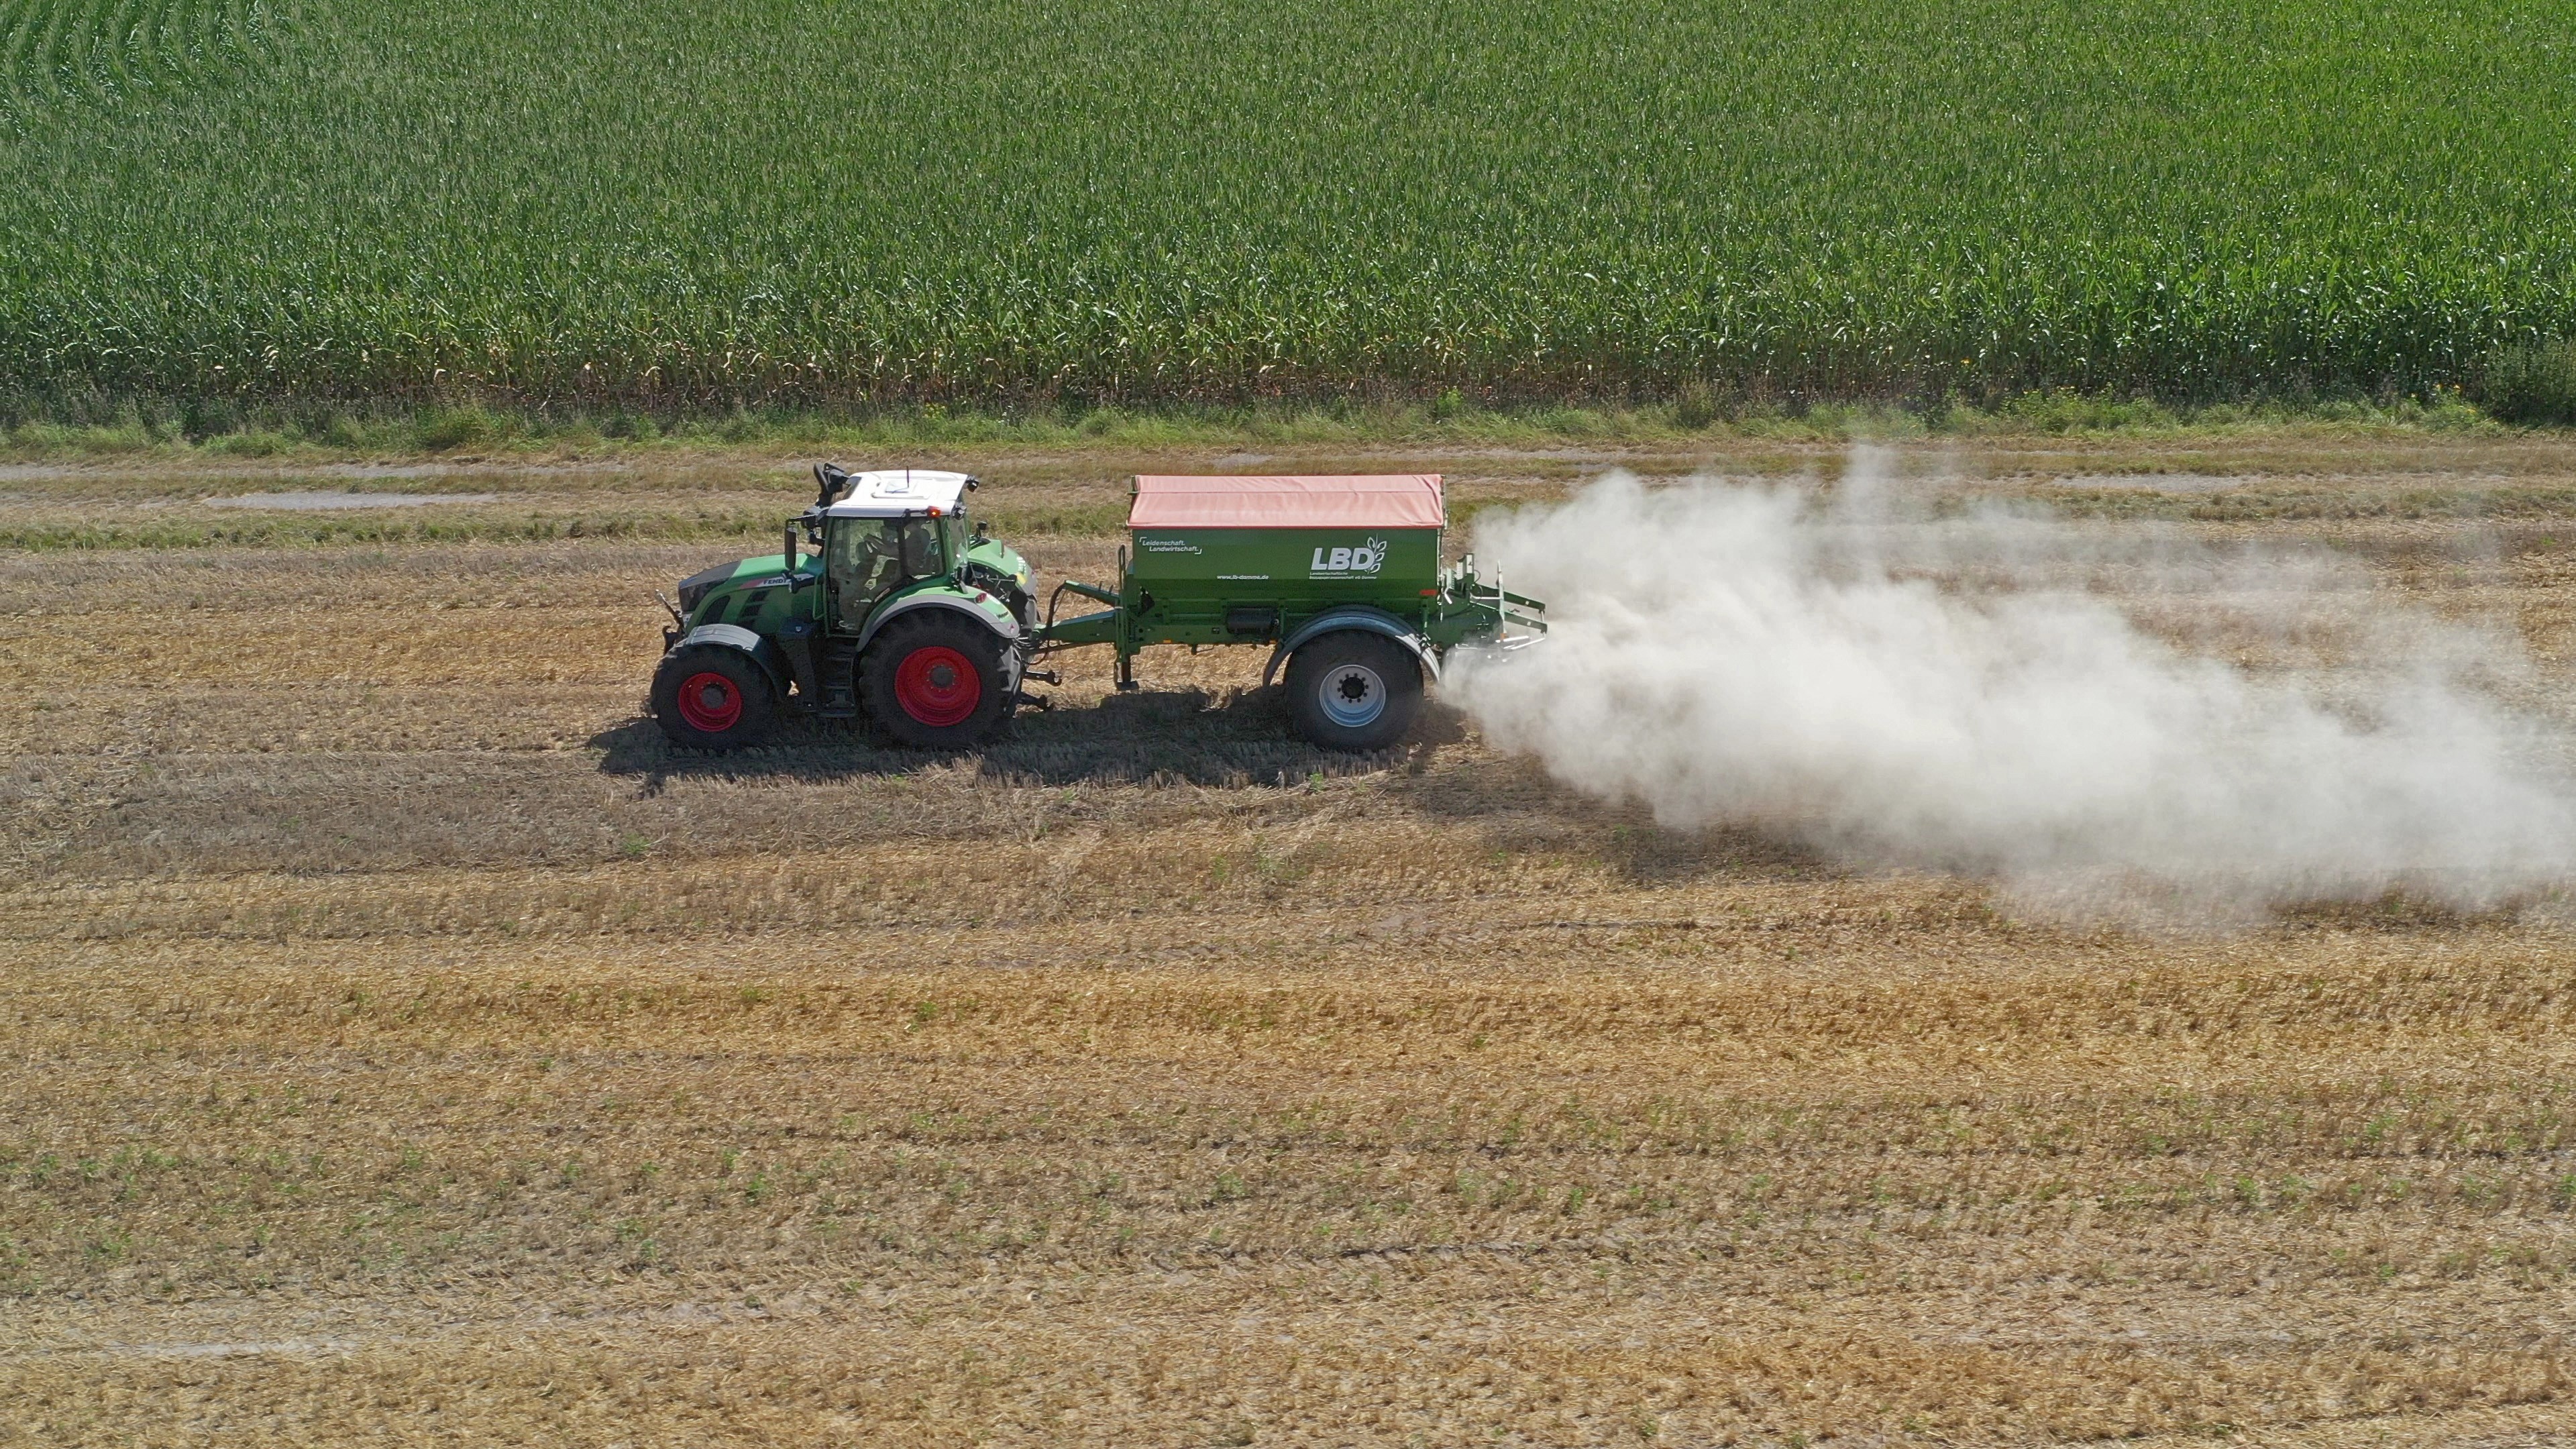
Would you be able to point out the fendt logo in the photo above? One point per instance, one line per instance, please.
(1349, 563)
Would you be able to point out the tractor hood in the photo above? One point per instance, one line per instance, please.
(1002, 559)
(695, 587)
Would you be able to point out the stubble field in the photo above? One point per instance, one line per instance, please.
(402, 1045)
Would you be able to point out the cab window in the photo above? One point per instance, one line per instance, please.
(863, 559)
(867, 556)
(925, 554)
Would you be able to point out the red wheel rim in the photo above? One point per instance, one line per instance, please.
(710, 702)
(938, 686)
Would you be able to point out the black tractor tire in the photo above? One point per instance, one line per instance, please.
(1351, 690)
(934, 680)
(713, 699)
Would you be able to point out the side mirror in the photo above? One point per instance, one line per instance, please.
(828, 481)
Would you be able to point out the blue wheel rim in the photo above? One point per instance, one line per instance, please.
(1352, 696)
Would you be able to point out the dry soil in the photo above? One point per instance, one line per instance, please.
(402, 1045)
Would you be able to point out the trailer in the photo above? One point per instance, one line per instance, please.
(908, 618)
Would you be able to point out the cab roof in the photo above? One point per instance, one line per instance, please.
(1284, 500)
(901, 492)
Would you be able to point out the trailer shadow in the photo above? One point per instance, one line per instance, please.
(1228, 738)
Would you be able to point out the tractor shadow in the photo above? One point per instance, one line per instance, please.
(1233, 737)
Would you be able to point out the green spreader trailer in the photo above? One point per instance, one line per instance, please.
(909, 615)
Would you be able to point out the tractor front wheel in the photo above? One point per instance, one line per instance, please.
(712, 699)
(934, 681)
(1354, 691)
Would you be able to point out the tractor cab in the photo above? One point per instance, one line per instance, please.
(884, 533)
(881, 531)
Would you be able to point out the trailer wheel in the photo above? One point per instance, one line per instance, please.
(934, 681)
(712, 699)
(1350, 690)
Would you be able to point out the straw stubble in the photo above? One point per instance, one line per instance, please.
(403, 1049)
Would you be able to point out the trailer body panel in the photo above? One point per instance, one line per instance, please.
(1251, 585)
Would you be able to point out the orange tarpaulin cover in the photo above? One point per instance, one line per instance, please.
(1281, 500)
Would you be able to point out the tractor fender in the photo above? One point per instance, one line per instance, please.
(1003, 625)
(763, 652)
(1353, 616)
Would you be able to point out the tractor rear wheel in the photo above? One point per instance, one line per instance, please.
(1350, 690)
(934, 680)
(712, 699)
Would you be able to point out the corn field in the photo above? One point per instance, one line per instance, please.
(764, 202)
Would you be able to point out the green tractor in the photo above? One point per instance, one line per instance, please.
(908, 616)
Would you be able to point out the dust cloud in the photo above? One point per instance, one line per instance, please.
(2111, 719)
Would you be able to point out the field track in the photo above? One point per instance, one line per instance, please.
(401, 1045)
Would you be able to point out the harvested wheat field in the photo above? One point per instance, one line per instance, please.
(404, 1046)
